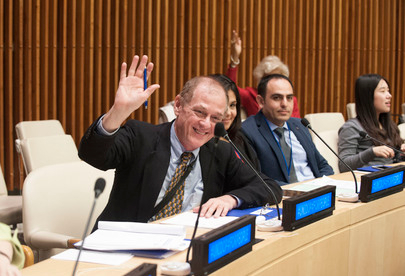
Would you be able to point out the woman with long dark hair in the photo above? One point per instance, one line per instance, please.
(373, 106)
(232, 120)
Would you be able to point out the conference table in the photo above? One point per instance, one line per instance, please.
(358, 239)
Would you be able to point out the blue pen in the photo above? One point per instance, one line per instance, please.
(145, 85)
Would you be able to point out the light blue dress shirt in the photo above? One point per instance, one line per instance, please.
(301, 165)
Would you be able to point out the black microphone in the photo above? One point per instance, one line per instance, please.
(306, 123)
(98, 189)
(364, 134)
(219, 127)
(216, 139)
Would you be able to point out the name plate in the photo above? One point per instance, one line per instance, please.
(221, 246)
(382, 183)
(308, 208)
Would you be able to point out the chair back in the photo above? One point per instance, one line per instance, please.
(166, 113)
(29, 129)
(351, 110)
(42, 151)
(325, 121)
(57, 202)
(402, 131)
(3, 186)
(10, 206)
(331, 138)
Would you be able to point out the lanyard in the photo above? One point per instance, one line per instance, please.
(278, 143)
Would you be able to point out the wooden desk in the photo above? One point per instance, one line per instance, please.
(358, 239)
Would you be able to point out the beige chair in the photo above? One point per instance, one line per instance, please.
(10, 205)
(325, 121)
(402, 131)
(166, 113)
(331, 138)
(32, 129)
(37, 152)
(57, 202)
(29, 129)
(351, 110)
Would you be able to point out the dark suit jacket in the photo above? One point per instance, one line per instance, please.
(271, 158)
(140, 152)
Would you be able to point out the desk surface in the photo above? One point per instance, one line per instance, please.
(358, 239)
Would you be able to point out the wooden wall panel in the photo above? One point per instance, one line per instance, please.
(61, 59)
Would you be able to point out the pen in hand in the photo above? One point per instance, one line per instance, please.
(145, 85)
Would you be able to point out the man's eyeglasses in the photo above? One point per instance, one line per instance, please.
(203, 115)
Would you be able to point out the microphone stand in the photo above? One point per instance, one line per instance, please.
(226, 136)
(343, 197)
(98, 189)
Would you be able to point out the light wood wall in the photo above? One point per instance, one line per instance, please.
(61, 59)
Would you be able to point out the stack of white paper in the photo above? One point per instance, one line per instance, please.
(136, 236)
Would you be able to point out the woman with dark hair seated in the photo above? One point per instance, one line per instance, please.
(373, 106)
(232, 120)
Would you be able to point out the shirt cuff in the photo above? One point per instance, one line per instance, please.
(239, 201)
(101, 130)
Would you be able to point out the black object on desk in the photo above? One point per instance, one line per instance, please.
(382, 183)
(308, 208)
(221, 246)
(145, 269)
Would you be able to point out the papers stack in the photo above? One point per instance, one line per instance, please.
(114, 236)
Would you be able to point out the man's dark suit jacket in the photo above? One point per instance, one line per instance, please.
(140, 153)
(271, 158)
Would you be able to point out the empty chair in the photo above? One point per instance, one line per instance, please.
(351, 110)
(166, 113)
(32, 129)
(10, 205)
(29, 129)
(331, 138)
(41, 151)
(57, 202)
(402, 131)
(325, 121)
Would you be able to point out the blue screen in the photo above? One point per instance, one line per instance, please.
(387, 181)
(313, 205)
(227, 244)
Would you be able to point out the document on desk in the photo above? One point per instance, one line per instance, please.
(189, 218)
(342, 186)
(112, 236)
(94, 257)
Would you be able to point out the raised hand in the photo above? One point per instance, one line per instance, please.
(130, 93)
(236, 48)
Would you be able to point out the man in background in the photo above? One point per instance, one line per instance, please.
(283, 145)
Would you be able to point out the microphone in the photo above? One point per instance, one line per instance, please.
(364, 134)
(341, 197)
(216, 139)
(98, 189)
(269, 226)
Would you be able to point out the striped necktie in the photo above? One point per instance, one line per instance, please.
(175, 204)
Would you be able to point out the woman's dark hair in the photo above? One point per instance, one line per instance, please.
(228, 84)
(367, 115)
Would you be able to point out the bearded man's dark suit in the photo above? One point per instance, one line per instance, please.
(270, 155)
(140, 153)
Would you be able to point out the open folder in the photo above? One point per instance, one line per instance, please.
(113, 236)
